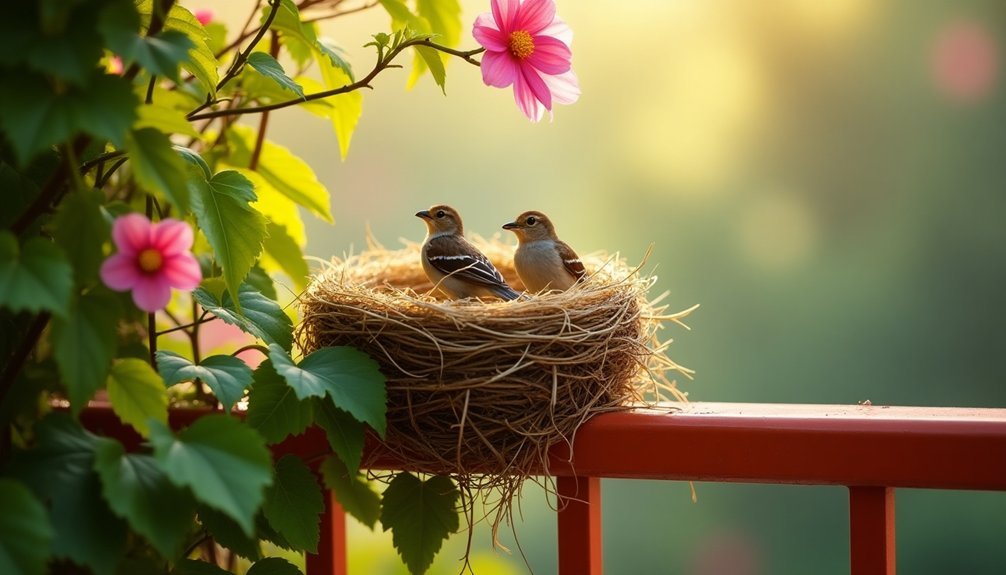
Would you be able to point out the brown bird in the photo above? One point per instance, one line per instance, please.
(543, 261)
(455, 266)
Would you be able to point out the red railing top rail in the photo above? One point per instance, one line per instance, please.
(855, 445)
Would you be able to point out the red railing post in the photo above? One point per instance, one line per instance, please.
(871, 530)
(579, 525)
(331, 556)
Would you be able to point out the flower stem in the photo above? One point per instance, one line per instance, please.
(380, 66)
(259, 348)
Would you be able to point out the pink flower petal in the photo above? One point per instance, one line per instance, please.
(205, 16)
(535, 15)
(565, 88)
(550, 56)
(505, 12)
(131, 233)
(182, 272)
(491, 38)
(559, 30)
(120, 272)
(537, 85)
(498, 69)
(525, 99)
(151, 293)
(171, 237)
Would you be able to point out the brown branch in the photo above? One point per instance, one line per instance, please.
(381, 65)
(20, 355)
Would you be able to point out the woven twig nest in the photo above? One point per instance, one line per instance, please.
(481, 390)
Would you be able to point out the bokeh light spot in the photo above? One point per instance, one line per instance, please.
(965, 62)
(777, 231)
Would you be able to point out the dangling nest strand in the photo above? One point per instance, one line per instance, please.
(481, 390)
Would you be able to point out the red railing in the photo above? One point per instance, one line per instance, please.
(870, 449)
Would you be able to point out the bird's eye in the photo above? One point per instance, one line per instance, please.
(441, 213)
(531, 221)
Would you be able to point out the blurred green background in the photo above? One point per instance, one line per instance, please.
(826, 177)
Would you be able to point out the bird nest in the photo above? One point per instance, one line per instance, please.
(482, 390)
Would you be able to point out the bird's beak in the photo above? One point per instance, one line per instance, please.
(425, 214)
(511, 226)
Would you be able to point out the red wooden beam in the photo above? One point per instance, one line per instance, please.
(331, 556)
(579, 520)
(871, 530)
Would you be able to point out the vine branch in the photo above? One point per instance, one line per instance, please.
(380, 66)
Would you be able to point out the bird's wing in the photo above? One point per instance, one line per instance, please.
(570, 260)
(457, 258)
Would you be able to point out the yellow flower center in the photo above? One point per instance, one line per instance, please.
(150, 260)
(521, 44)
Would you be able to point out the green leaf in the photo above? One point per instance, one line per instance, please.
(137, 394)
(336, 56)
(194, 161)
(345, 434)
(84, 345)
(228, 533)
(270, 68)
(444, 17)
(227, 376)
(59, 470)
(432, 61)
(81, 231)
(36, 117)
(224, 463)
(273, 566)
(285, 172)
(285, 255)
(163, 116)
(25, 533)
(34, 277)
(259, 279)
(201, 62)
(234, 229)
(137, 490)
(194, 567)
(346, 108)
(262, 317)
(294, 503)
(352, 490)
(157, 166)
(420, 515)
(349, 376)
(273, 407)
(159, 54)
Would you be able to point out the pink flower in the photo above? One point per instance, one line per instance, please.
(152, 259)
(527, 46)
(205, 16)
(114, 66)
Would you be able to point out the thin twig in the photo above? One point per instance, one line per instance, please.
(16, 361)
(381, 65)
(340, 13)
(186, 327)
(254, 346)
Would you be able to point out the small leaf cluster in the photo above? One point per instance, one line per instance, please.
(112, 107)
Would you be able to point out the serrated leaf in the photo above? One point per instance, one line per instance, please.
(227, 376)
(345, 434)
(285, 255)
(34, 277)
(285, 172)
(336, 56)
(25, 532)
(259, 315)
(194, 567)
(194, 161)
(157, 166)
(137, 394)
(137, 490)
(270, 68)
(224, 463)
(420, 515)
(37, 117)
(84, 344)
(346, 108)
(273, 407)
(229, 534)
(234, 229)
(353, 492)
(59, 470)
(273, 566)
(159, 54)
(81, 231)
(200, 62)
(349, 376)
(293, 504)
(276, 207)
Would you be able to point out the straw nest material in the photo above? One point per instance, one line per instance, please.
(481, 390)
